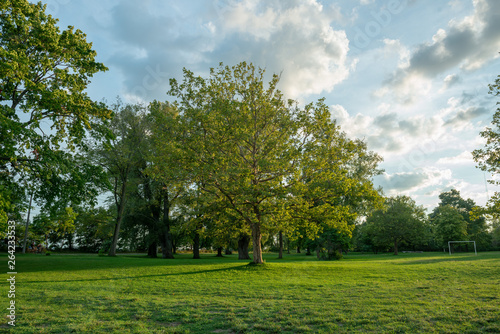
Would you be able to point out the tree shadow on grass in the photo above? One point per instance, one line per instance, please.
(243, 267)
(32, 263)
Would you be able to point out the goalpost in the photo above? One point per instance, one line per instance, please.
(450, 242)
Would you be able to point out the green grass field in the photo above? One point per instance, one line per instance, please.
(409, 293)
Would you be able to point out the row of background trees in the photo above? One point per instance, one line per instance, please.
(400, 225)
(231, 165)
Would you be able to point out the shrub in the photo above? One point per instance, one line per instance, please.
(330, 254)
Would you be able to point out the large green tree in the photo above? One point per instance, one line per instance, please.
(449, 225)
(45, 114)
(166, 167)
(121, 157)
(268, 162)
(476, 226)
(401, 220)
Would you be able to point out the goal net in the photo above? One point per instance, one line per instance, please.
(457, 242)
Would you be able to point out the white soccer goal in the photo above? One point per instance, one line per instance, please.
(455, 242)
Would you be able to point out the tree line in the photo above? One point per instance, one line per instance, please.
(230, 165)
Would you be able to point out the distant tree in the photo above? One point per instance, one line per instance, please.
(121, 157)
(402, 220)
(54, 226)
(330, 244)
(495, 233)
(362, 240)
(477, 228)
(93, 227)
(449, 225)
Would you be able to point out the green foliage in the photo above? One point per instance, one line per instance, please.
(495, 233)
(402, 220)
(106, 245)
(45, 114)
(329, 254)
(488, 158)
(476, 228)
(449, 224)
(122, 156)
(266, 162)
(92, 227)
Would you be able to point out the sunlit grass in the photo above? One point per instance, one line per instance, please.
(410, 293)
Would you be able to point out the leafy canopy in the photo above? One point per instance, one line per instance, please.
(45, 114)
(265, 161)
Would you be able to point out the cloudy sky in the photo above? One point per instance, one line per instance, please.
(410, 77)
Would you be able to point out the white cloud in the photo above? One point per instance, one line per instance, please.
(294, 38)
(394, 46)
(450, 81)
(468, 43)
(463, 158)
(463, 117)
(389, 133)
(409, 182)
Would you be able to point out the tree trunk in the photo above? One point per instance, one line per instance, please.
(166, 245)
(155, 209)
(243, 244)
(70, 241)
(153, 250)
(27, 225)
(395, 247)
(280, 255)
(219, 252)
(196, 245)
(165, 238)
(119, 218)
(298, 249)
(257, 247)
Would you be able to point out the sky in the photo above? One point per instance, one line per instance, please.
(409, 77)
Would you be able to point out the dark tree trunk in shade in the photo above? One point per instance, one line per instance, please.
(395, 247)
(120, 205)
(196, 245)
(298, 249)
(165, 238)
(153, 228)
(243, 244)
(219, 252)
(280, 256)
(153, 250)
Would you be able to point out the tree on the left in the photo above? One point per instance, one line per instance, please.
(47, 118)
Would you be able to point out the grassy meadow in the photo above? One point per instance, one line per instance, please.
(408, 293)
